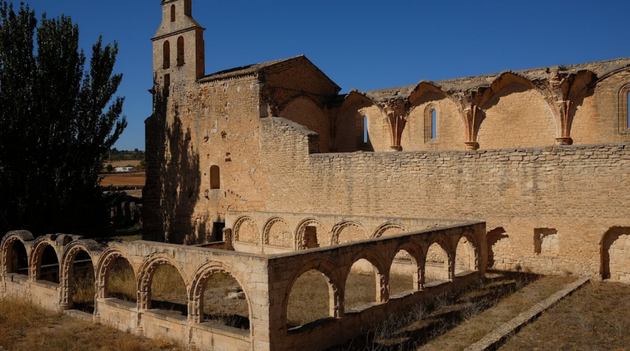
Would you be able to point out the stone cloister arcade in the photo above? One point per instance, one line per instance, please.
(266, 282)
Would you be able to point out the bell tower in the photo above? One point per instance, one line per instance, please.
(178, 46)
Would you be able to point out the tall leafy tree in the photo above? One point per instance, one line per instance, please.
(58, 119)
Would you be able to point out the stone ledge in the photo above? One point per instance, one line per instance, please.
(502, 333)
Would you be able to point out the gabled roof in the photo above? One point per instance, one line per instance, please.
(271, 67)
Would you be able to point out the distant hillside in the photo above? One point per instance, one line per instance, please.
(124, 155)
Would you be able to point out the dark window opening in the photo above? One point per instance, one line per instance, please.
(167, 84)
(217, 231)
(215, 177)
(172, 13)
(166, 55)
(180, 51)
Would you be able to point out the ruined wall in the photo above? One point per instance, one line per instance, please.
(600, 119)
(578, 191)
(449, 127)
(266, 283)
(517, 117)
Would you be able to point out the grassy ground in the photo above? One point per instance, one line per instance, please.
(26, 327)
(597, 317)
(457, 320)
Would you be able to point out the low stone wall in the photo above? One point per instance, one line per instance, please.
(266, 281)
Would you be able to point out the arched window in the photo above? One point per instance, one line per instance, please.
(180, 51)
(433, 124)
(215, 177)
(430, 124)
(365, 130)
(166, 54)
(172, 13)
(624, 109)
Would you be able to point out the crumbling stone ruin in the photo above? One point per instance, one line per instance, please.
(268, 173)
(540, 155)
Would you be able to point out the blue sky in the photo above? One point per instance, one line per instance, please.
(362, 44)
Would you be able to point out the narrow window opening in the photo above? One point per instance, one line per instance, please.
(433, 124)
(166, 54)
(188, 8)
(215, 177)
(172, 13)
(430, 124)
(365, 130)
(628, 110)
(167, 84)
(180, 51)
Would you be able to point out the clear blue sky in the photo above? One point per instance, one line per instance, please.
(362, 44)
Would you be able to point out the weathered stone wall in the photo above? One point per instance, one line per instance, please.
(266, 282)
(578, 191)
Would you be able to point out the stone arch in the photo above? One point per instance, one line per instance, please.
(354, 229)
(624, 113)
(145, 277)
(246, 230)
(103, 268)
(173, 13)
(310, 234)
(439, 251)
(331, 272)
(307, 112)
(465, 255)
(387, 229)
(616, 264)
(67, 272)
(380, 269)
(350, 127)
(10, 259)
(516, 114)
(472, 239)
(277, 232)
(198, 286)
(450, 131)
(39, 247)
(414, 254)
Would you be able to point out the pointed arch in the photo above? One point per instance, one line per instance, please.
(166, 54)
(180, 51)
(505, 115)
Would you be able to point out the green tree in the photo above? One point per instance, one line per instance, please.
(58, 120)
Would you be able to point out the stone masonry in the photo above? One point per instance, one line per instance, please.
(541, 155)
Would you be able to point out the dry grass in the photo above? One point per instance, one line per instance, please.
(309, 299)
(454, 321)
(123, 179)
(597, 317)
(24, 326)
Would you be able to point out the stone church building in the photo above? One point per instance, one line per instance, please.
(269, 150)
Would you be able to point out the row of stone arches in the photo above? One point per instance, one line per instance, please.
(344, 291)
(511, 110)
(26, 257)
(309, 233)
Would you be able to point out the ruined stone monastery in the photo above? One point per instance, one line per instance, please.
(267, 172)
(540, 155)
